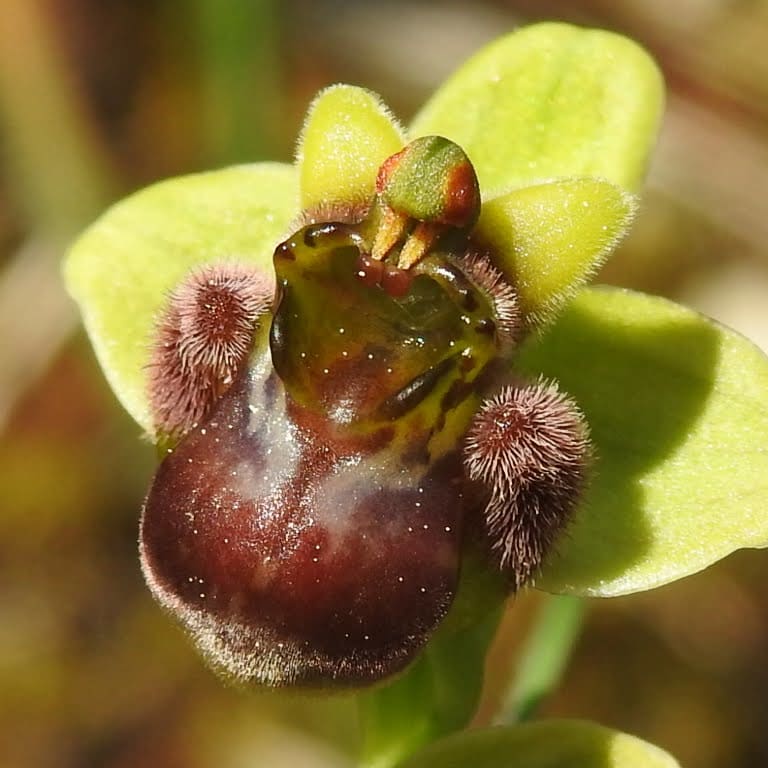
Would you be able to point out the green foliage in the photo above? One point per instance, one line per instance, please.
(122, 267)
(548, 744)
(438, 695)
(347, 135)
(551, 100)
(440, 692)
(678, 411)
(550, 238)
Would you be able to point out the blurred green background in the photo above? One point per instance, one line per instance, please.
(99, 97)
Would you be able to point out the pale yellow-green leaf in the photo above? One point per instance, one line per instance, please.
(549, 239)
(551, 100)
(545, 744)
(678, 410)
(348, 133)
(120, 270)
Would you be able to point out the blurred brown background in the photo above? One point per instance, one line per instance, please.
(99, 97)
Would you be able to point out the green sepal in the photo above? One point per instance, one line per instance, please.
(549, 239)
(122, 268)
(678, 414)
(545, 744)
(347, 135)
(551, 100)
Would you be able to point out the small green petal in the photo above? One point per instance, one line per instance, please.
(545, 744)
(551, 100)
(347, 135)
(678, 410)
(121, 269)
(549, 239)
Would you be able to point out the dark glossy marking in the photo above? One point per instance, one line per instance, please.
(486, 327)
(458, 392)
(415, 391)
(396, 282)
(284, 251)
(369, 270)
(416, 452)
(470, 300)
(312, 233)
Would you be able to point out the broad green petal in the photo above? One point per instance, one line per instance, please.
(347, 135)
(678, 410)
(121, 269)
(551, 100)
(545, 744)
(549, 239)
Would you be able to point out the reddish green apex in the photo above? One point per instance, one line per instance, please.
(431, 180)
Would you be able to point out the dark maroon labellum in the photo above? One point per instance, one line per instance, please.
(309, 530)
(294, 558)
(332, 449)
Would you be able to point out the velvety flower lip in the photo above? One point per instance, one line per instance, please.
(558, 123)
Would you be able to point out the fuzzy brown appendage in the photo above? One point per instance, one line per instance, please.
(203, 335)
(478, 268)
(529, 446)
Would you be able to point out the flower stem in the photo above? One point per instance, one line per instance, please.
(544, 657)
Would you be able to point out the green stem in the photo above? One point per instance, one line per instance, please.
(436, 696)
(544, 657)
(439, 693)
